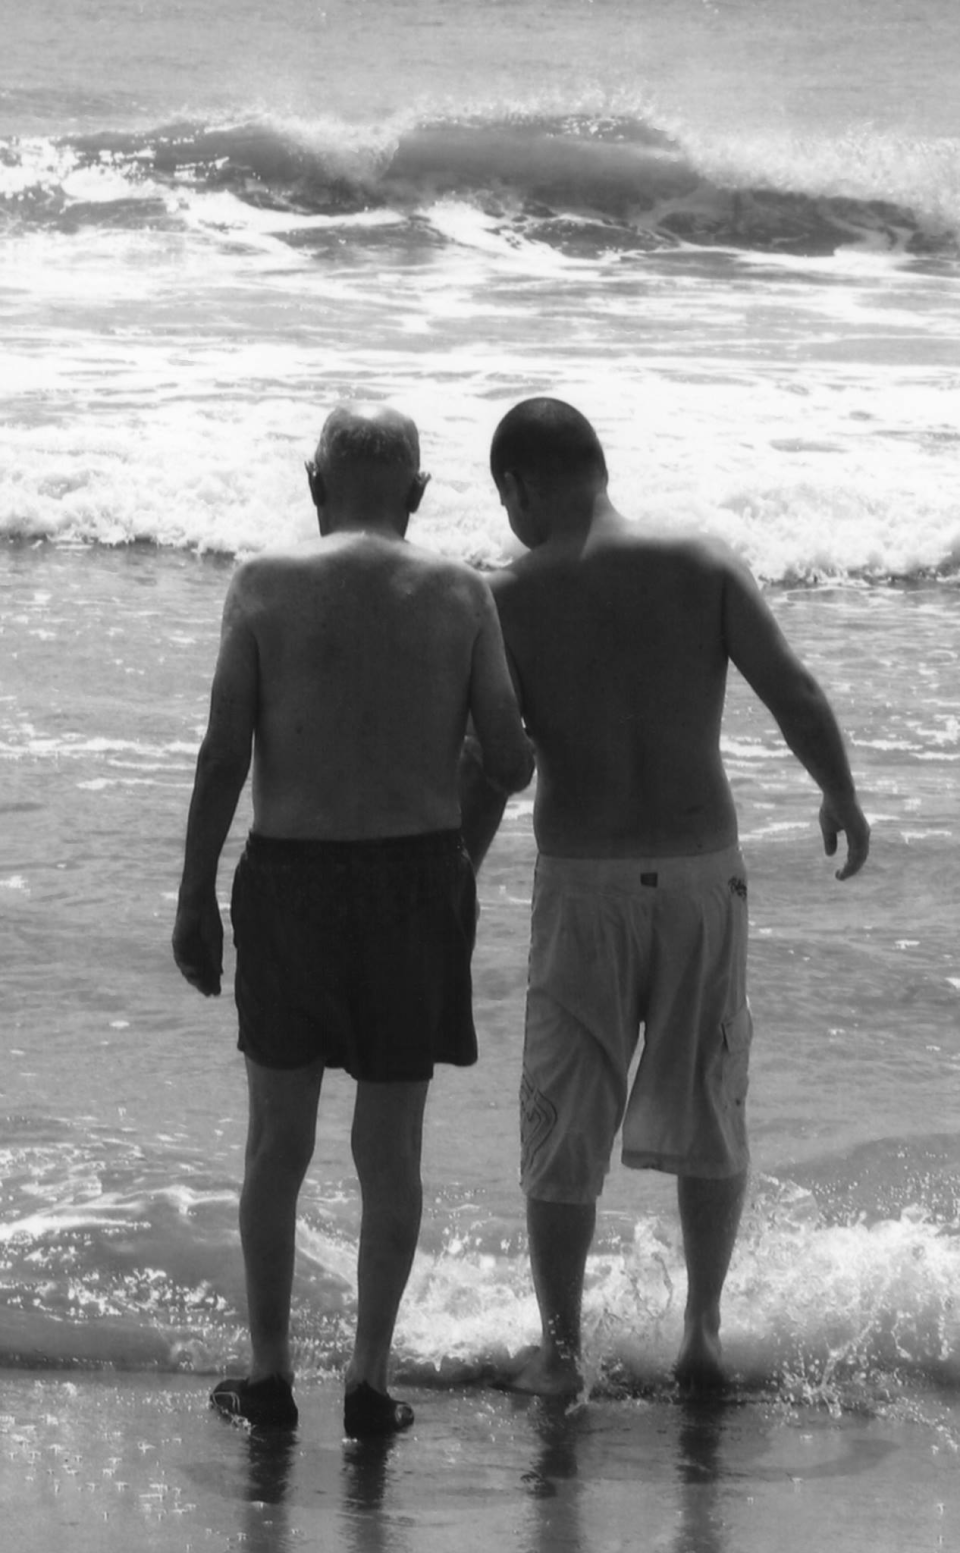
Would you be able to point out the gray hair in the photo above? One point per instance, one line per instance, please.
(381, 436)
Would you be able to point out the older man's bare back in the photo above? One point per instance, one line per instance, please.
(370, 653)
(348, 668)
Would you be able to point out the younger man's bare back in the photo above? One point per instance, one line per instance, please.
(617, 641)
(619, 638)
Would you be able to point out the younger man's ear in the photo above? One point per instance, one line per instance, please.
(513, 488)
(318, 491)
(418, 485)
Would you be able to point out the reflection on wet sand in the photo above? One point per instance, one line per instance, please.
(575, 1448)
(699, 1473)
(371, 1523)
(270, 1464)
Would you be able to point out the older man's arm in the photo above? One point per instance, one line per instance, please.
(222, 767)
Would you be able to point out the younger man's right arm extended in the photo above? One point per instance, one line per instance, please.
(760, 651)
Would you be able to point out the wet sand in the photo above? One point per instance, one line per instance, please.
(108, 1462)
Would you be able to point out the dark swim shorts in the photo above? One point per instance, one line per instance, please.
(356, 954)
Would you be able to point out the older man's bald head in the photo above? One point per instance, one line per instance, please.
(366, 470)
(368, 435)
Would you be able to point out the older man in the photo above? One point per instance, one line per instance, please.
(349, 665)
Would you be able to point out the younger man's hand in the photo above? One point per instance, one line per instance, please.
(198, 946)
(845, 815)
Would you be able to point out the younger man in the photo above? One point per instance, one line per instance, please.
(619, 638)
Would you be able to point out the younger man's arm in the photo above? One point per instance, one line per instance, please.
(497, 757)
(760, 651)
(481, 804)
(222, 766)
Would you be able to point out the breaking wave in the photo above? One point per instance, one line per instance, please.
(842, 1290)
(623, 182)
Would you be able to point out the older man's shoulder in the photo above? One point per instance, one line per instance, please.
(274, 560)
(267, 576)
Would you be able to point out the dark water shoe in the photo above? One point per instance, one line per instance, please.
(368, 1412)
(267, 1404)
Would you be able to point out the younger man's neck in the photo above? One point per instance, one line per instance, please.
(578, 514)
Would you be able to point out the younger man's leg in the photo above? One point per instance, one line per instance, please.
(580, 1033)
(710, 1217)
(387, 1139)
(560, 1235)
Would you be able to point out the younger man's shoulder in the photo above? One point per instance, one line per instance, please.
(696, 553)
(649, 535)
(632, 545)
(697, 561)
(705, 550)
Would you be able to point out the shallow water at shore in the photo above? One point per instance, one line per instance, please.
(122, 1095)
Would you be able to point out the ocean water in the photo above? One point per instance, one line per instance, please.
(730, 233)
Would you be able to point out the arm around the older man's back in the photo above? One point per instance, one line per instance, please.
(507, 752)
(497, 756)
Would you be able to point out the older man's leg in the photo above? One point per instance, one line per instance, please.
(280, 1142)
(387, 1139)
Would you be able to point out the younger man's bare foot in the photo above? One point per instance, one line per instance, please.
(699, 1366)
(538, 1374)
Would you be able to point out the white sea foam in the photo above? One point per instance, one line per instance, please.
(164, 379)
(873, 1300)
(866, 162)
(870, 1299)
(236, 482)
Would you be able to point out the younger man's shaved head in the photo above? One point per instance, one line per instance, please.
(368, 435)
(549, 441)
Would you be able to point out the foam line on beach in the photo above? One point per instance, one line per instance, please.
(155, 1281)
